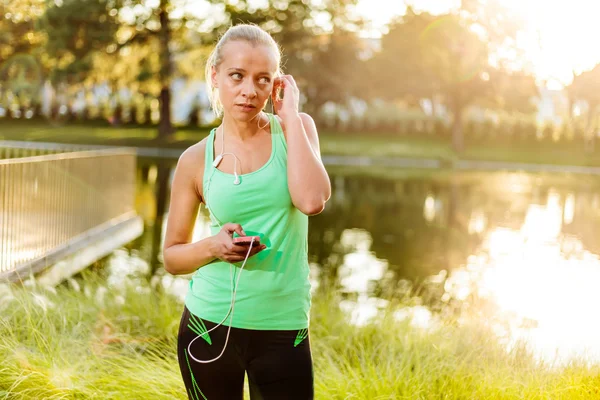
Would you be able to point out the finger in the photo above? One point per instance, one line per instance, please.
(291, 80)
(257, 249)
(230, 227)
(276, 84)
(281, 83)
(240, 248)
(277, 103)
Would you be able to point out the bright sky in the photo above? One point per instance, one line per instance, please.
(559, 35)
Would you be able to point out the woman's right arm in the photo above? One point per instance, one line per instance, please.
(180, 255)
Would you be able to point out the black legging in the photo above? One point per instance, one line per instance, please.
(278, 363)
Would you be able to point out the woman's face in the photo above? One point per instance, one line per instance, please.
(245, 78)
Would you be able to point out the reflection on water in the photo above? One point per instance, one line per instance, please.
(519, 248)
(543, 280)
(357, 273)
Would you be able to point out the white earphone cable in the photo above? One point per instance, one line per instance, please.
(231, 309)
(229, 312)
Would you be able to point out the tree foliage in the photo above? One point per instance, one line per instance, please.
(77, 30)
(447, 58)
(143, 46)
(425, 55)
(586, 87)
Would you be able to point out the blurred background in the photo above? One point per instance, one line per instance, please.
(463, 71)
(459, 137)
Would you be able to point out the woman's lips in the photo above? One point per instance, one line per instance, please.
(246, 107)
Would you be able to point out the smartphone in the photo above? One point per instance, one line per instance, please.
(246, 240)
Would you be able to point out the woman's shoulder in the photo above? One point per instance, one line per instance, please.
(191, 161)
(304, 117)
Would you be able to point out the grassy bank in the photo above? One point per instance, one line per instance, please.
(99, 343)
(568, 153)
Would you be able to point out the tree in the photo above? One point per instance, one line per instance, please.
(18, 34)
(21, 70)
(397, 70)
(426, 55)
(77, 29)
(586, 87)
(514, 91)
(166, 30)
(337, 71)
(105, 29)
(447, 58)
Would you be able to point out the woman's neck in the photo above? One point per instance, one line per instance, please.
(243, 130)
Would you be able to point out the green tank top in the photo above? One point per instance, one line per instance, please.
(273, 292)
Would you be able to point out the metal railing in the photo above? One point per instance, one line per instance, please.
(17, 149)
(48, 201)
(7, 152)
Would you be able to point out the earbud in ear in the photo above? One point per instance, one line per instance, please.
(217, 160)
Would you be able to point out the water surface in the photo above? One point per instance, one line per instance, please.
(520, 246)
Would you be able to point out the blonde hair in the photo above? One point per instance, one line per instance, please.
(243, 32)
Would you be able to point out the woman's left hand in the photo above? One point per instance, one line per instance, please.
(287, 107)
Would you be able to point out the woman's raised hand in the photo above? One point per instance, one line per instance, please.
(287, 107)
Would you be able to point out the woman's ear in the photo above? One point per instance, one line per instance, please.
(213, 77)
(276, 85)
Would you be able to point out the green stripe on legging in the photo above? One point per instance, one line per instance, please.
(194, 383)
(200, 328)
(302, 334)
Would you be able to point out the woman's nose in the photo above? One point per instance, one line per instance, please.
(249, 89)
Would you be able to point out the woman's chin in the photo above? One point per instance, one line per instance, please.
(241, 113)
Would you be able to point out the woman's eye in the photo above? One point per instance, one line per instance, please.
(264, 80)
(236, 76)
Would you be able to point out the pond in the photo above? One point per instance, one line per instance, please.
(520, 246)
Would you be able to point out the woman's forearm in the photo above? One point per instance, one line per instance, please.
(308, 180)
(185, 258)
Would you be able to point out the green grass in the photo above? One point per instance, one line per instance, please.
(95, 133)
(88, 341)
(332, 143)
(381, 146)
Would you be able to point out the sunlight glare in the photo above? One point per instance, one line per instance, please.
(359, 269)
(557, 36)
(547, 297)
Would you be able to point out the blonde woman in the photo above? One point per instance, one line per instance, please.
(260, 176)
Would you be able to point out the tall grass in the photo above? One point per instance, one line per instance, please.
(86, 341)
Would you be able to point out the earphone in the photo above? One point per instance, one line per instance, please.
(219, 158)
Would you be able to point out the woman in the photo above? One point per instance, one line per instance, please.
(259, 175)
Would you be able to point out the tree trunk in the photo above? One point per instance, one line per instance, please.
(571, 102)
(433, 107)
(457, 129)
(162, 183)
(590, 129)
(432, 124)
(165, 128)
